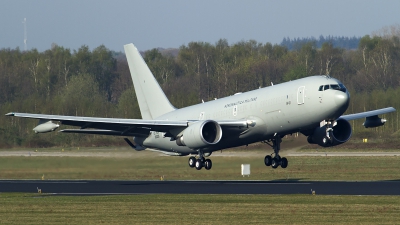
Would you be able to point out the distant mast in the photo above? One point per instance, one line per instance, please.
(25, 35)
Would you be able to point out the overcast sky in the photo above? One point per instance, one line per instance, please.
(170, 24)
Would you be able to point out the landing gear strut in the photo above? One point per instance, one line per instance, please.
(327, 140)
(200, 162)
(277, 159)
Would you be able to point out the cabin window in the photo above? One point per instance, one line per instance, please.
(201, 117)
(321, 88)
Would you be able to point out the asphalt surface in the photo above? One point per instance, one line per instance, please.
(109, 153)
(96, 187)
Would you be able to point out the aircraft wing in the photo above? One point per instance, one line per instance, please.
(368, 114)
(122, 127)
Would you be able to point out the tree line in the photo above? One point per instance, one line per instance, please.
(97, 82)
(336, 41)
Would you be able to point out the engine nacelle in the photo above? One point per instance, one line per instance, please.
(200, 134)
(45, 126)
(340, 134)
(373, 121)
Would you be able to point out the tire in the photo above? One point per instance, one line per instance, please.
(199, 164)
(268, 160)
(192, 161)
(284, 162)
(275, 163)
(309, 140)
(326, 142)
(208, 164)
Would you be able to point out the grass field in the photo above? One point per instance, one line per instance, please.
(199, 209)
(151, 166)
(195, 209)
(335, 149)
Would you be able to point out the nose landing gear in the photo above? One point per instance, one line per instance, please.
(327, 140)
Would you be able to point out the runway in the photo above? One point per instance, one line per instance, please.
(107, 187)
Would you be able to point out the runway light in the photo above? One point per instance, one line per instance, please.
(162, 178)
(43, 177)
(39, 190)
(312, 192)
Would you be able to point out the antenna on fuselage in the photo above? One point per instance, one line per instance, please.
(272, 84)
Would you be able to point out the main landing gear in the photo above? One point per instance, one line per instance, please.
(200, 162)
(277, 160)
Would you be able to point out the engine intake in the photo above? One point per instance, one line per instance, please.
(340, 134)
(200, 134)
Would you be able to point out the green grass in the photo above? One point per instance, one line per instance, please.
(153, 167)
(344, 150)
(198, 209)
(70, 149)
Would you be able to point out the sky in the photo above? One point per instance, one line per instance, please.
(169, 24)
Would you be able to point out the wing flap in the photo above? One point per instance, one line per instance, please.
(106, 132)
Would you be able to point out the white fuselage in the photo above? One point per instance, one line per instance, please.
(280, 109)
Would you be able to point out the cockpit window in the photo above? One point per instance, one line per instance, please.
(335, 87)
(342, 88)
(339, 87)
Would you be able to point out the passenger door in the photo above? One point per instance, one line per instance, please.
(300, 95)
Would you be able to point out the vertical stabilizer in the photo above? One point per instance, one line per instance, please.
(152, 100)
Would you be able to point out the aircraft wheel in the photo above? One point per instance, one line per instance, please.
(275, 163)
(284, 162)
(192, 161)
(325, 141)
(208, 164)
(310, 140)
(268, 160)
(199, 164)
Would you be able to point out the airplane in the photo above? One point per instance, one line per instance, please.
(313, 106)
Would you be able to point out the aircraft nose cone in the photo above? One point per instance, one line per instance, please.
(342, 99)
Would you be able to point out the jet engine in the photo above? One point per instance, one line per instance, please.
(373, 121)
(340, 134)
(200, 134)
